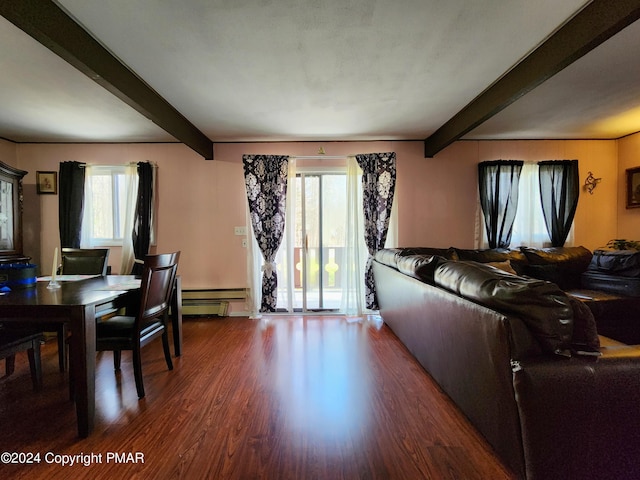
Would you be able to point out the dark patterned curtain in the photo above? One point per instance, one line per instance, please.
(498, 185)
(70, 203)
(378, 187)
(141, 235)
(265, 179)
(559, 192)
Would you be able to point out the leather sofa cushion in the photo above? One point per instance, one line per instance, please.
(516, 258)
(578, 257)
(421, 267)
(612, 284)
(624, 263)
(584, 340)
(448, 253)
(542, 306)
(391, 256)
(560, 265)
(388, 256)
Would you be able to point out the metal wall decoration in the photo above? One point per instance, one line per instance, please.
(591, 182)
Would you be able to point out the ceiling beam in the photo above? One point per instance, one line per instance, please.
(55, 29)
(593, 25)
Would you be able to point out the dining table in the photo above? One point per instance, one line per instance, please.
(78, 301)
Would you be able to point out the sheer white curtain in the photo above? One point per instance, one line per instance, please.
(355, 259)
(285, 262)
(529, 228)
(131, 189)
(86, 240)
(254, 273)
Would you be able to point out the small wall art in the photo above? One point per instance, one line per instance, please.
(47, 183)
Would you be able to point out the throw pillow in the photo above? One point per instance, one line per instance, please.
(504, 266)
(516, 257)
(560, 265)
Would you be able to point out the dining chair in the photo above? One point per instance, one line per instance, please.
(123, 332)
(13, 341)
(77, 261)
(84, 261)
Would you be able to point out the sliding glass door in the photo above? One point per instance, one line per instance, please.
(320, 220)
(321, 260)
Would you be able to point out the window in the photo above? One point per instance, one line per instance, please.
(106, 186)
(529, 228)
(109, 202)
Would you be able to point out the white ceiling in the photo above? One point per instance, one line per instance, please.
(255, 70)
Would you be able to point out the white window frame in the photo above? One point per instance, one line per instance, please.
(117, 209)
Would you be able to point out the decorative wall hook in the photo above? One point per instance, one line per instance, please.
(591, 182)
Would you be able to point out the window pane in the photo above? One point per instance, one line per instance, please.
(333, 210)
(102, 196)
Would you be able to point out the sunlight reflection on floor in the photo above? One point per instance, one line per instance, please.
(312, 363)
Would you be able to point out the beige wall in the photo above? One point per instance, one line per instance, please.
(628, 157)
(438, 197)
(8, 153)
(596, 216)
(201, 201)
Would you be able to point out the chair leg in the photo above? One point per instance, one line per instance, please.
(117, 359)
(63, 353)
(167, 352)
(35, 364)
(72, 387)
(10, 364)
(137, 371)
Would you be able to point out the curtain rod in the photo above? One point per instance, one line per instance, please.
(320, 157)
(83, 165)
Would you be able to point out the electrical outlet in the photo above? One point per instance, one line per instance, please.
(239, 230)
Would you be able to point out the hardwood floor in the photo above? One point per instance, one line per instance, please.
(277, 398)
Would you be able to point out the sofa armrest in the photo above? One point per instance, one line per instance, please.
(579, 417)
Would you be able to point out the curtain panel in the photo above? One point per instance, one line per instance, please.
(559, 192)
(355, 256)
(498, 185)
(266, 184)
(70, 203)
(378, 188)
(131, 195)
(141, 234)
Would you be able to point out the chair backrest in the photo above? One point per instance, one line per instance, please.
(158, 278)
(84, 261)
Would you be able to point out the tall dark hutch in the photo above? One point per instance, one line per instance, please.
(11, 202)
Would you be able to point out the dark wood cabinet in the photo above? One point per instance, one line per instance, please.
(11, 203)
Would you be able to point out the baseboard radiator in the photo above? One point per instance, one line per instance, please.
(210, 302)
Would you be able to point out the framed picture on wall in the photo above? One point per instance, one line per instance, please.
(633, 187)
(47, 182)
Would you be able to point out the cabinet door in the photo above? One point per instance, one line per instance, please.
(11, 214)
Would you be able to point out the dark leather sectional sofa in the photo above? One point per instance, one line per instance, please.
(521, 357)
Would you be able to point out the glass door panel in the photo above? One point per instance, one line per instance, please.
(334, 217)
(319, 240)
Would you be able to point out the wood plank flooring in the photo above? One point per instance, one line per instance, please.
(276, 398)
